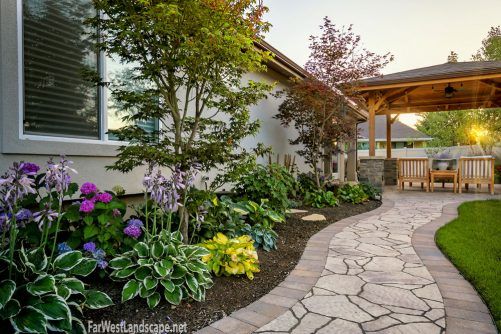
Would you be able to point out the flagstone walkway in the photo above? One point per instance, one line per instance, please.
(372, 281)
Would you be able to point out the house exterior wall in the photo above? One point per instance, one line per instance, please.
(91, 157)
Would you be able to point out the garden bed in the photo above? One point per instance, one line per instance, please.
(229, 293)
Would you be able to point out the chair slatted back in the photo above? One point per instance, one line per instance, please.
(476, 168)
(415, 168)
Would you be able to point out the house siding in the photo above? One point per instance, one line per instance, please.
(91, 158)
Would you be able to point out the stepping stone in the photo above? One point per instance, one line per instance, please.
(314, 218)
(296, 211)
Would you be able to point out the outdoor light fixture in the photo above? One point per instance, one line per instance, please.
(449, 91)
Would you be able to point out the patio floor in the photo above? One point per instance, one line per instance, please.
(372, 280)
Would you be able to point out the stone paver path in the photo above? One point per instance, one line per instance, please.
(373, 281)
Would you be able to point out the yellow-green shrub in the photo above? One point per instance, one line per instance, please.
(235, 256)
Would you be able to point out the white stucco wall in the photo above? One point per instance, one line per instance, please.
(90, 158)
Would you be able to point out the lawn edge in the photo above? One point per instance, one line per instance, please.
(465, 310)
(294, 287)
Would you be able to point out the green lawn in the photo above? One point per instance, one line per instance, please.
(473, 243)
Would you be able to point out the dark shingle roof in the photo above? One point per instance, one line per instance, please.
(398, 130)
(442, 71)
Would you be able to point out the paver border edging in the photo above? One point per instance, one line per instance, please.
(295, 286)
(465, 311)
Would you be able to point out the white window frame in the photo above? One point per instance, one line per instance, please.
(102, 97)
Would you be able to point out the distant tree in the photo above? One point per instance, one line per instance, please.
(491, 46)
(315, 106)
(195, 54)
(463, 127)
(452, 57)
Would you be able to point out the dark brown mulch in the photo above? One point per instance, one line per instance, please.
(230, 293)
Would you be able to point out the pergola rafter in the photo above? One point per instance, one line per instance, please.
(445, 87)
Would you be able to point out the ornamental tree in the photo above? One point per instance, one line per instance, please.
(317, 106)
(318, 114)
(188, 59)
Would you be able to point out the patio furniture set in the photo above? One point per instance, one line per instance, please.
(468, 170)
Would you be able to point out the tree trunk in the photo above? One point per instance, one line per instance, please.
(183, 223)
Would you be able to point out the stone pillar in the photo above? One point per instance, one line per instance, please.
(351, 164)
(390, 172)
(372, 171)
(341, 161)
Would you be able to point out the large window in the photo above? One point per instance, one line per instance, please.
(58, 101)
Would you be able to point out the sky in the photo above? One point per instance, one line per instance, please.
(418, 33)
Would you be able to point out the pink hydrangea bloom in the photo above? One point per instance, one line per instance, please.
(88, 188)
(87, 206)
(103, 197)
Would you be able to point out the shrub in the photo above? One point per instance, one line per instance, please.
(235, 256)
(98, 217)
(371, 191)
(163, 266)
(271, 182)
(38, 285)
(306, 183)
(352, 194)
(320, 198)
(259, 213)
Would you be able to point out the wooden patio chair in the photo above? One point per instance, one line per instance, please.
(476, 170)
(413, 170)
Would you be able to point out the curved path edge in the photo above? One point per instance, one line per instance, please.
(465, 311)
(295, 286)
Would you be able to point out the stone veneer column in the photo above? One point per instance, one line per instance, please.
(372, 171)
(390, 172)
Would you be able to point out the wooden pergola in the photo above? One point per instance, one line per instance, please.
(449, 86)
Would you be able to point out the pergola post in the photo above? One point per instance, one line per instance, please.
(388, 136)
(372, 126)
(351, 163)
(341, 161)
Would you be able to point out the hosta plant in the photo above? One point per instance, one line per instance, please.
(263, 237)
(235, 256)
(259, 213)
(353, 194)
(163, 267)
(42, 297)
(320, 198)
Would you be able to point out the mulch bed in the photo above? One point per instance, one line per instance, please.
(229, 293)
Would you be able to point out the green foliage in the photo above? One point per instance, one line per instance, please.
(259, 213)
(306, 183)
(273, 182)
(163, 267)
(104, 225)
(352, 194)
(471, 242)
(235, 256)
(42, 296)
(491, 46)
(263, 237)
(320, 198)
(371, 191)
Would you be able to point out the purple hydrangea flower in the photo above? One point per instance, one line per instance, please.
(29, 168)
(135, 222)
(63, 247)
(99, 254)
(103, 197)
(87, 206)
(89, 247)
(133, 231)
(88, 188)
(102, 264)
(23, 214)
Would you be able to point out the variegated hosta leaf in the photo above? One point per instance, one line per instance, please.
(157, 250)
(68, 260)
(41, 285)
(141, 249)
(153, 300)
(85, 267)
(150, 282)
(120, 263)
(130, 290)
(54, 308)
(29, 320)
(7, 288)
(123, 273)
(175, 296)
(168, 285)
(10, 309)
(97, 299)
(74, 284)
